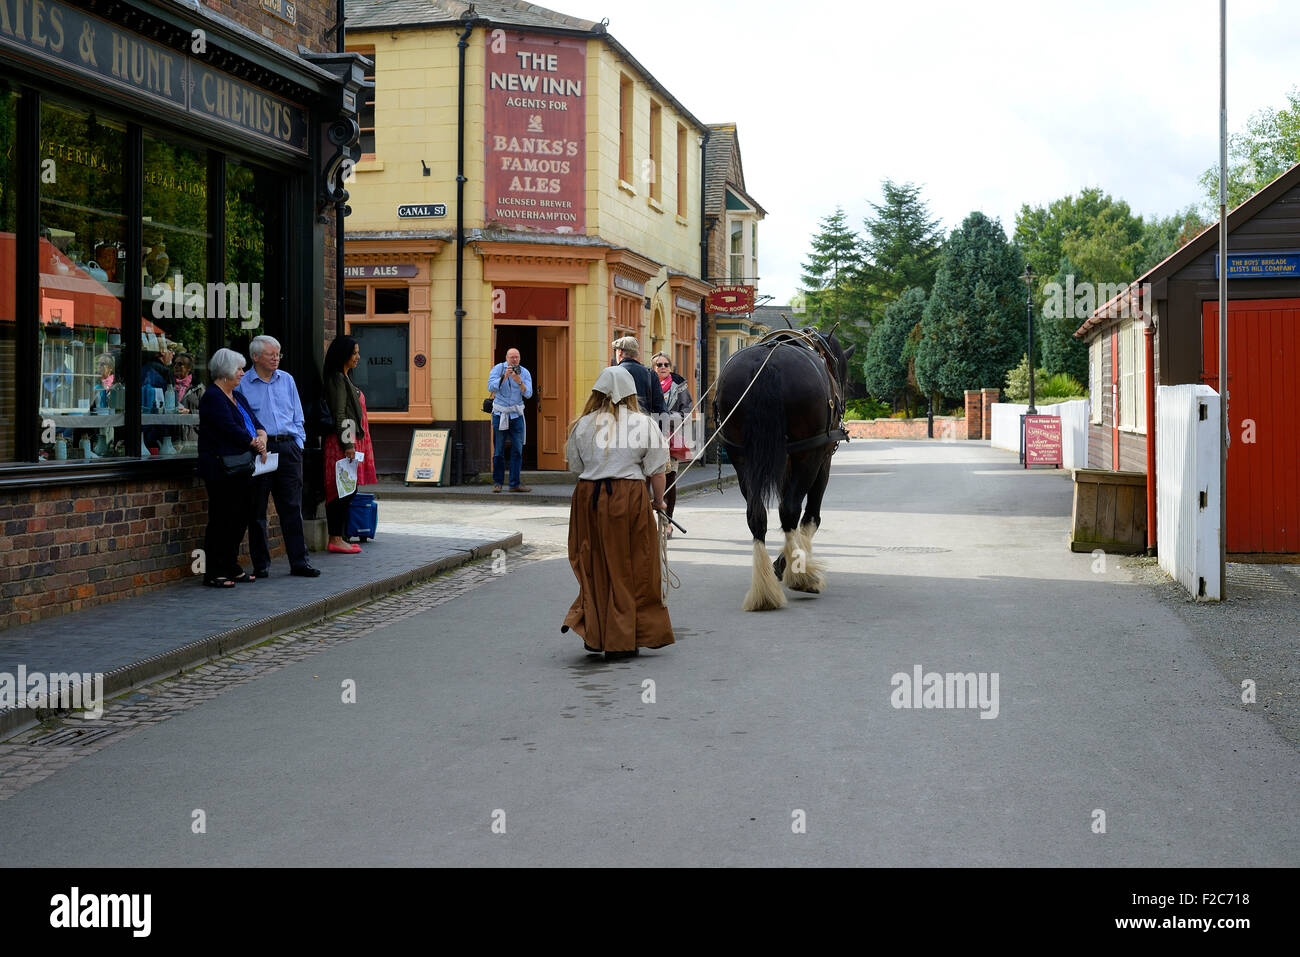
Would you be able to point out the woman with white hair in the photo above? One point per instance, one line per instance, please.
(613, 537)
(229, 437)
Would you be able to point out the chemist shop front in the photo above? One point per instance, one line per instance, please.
(153, 209)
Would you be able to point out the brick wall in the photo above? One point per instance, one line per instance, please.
(314, 17)
(946, 428)
(72, 548)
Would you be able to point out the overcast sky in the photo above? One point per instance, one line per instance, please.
(987, 104)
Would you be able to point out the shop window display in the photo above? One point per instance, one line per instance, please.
(254, 254)
(8, 274)
(176, 298)
(82, 253)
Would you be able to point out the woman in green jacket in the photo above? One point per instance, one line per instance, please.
(348, 409)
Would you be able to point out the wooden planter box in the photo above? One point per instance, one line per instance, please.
(1110, 511)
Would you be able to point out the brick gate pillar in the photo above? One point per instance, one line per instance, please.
(974, 414)
(988, 397)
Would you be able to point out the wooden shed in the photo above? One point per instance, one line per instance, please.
(1179, 298)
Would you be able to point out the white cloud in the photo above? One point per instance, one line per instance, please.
(989, 105)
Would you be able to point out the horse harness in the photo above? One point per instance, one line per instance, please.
(816, 348)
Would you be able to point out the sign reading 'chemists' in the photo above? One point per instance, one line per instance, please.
(536, 137)
(46, 31)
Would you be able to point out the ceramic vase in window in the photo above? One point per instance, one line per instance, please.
(158, 262)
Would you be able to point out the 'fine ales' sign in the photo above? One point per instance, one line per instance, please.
(1043, 440)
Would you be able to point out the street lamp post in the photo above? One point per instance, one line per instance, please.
(1029, 277)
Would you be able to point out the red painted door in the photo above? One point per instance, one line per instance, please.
(1264, 432)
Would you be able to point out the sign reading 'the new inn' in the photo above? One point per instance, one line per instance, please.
(536, 136)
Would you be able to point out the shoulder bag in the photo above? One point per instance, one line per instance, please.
(237, 466)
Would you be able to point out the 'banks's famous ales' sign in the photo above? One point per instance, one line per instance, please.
(536, 136)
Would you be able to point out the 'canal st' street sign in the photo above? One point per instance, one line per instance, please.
(422, 211)
(1261, 265)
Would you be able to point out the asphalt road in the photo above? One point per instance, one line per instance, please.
(943, 556)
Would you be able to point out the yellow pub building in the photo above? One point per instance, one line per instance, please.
(581, 211)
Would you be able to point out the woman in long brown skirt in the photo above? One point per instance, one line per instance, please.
(613, 533)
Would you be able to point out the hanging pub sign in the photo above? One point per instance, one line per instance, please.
(1284, 265)
(427, 462)
(70, 40)
(1043, 440)
(732, 300)
(536, 133)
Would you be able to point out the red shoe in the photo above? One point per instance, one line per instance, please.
(343, 549)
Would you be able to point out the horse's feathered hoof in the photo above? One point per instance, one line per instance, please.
(758, 601)
(810, 584)
(765, 590)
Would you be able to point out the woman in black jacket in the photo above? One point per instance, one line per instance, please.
(227, 426)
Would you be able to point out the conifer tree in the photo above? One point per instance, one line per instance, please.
(900, 245)
(884, 369)
(974, 325)
(830, 278)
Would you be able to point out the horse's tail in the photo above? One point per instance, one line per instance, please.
(764, 434)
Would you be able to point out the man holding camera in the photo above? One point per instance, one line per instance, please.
(510, 383)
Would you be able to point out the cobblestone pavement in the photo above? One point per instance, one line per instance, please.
(39, 752)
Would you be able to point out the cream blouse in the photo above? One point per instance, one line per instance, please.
(627, 446)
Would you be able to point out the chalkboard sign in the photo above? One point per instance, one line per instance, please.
(427, 462)
(1043, 440)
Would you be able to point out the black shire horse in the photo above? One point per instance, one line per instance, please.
(782, 402)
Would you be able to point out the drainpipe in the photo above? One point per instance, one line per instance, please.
(1151, 432)
(340, 209)
(704, 274)
(458, 472)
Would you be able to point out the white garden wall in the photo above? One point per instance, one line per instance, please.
(1074, 429)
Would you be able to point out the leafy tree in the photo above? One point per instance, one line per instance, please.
(1269, 147)
(1061, 352)
(1162, 237)
(900, 246)
(973, 329)
(884, 370)
(1097, 231)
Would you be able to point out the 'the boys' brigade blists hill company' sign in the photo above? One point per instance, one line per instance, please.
(1284, 265)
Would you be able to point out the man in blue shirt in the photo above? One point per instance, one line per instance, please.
(510, 383)
(273, 398)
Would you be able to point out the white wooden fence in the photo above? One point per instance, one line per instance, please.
(1187, 487)
(1074, 429)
